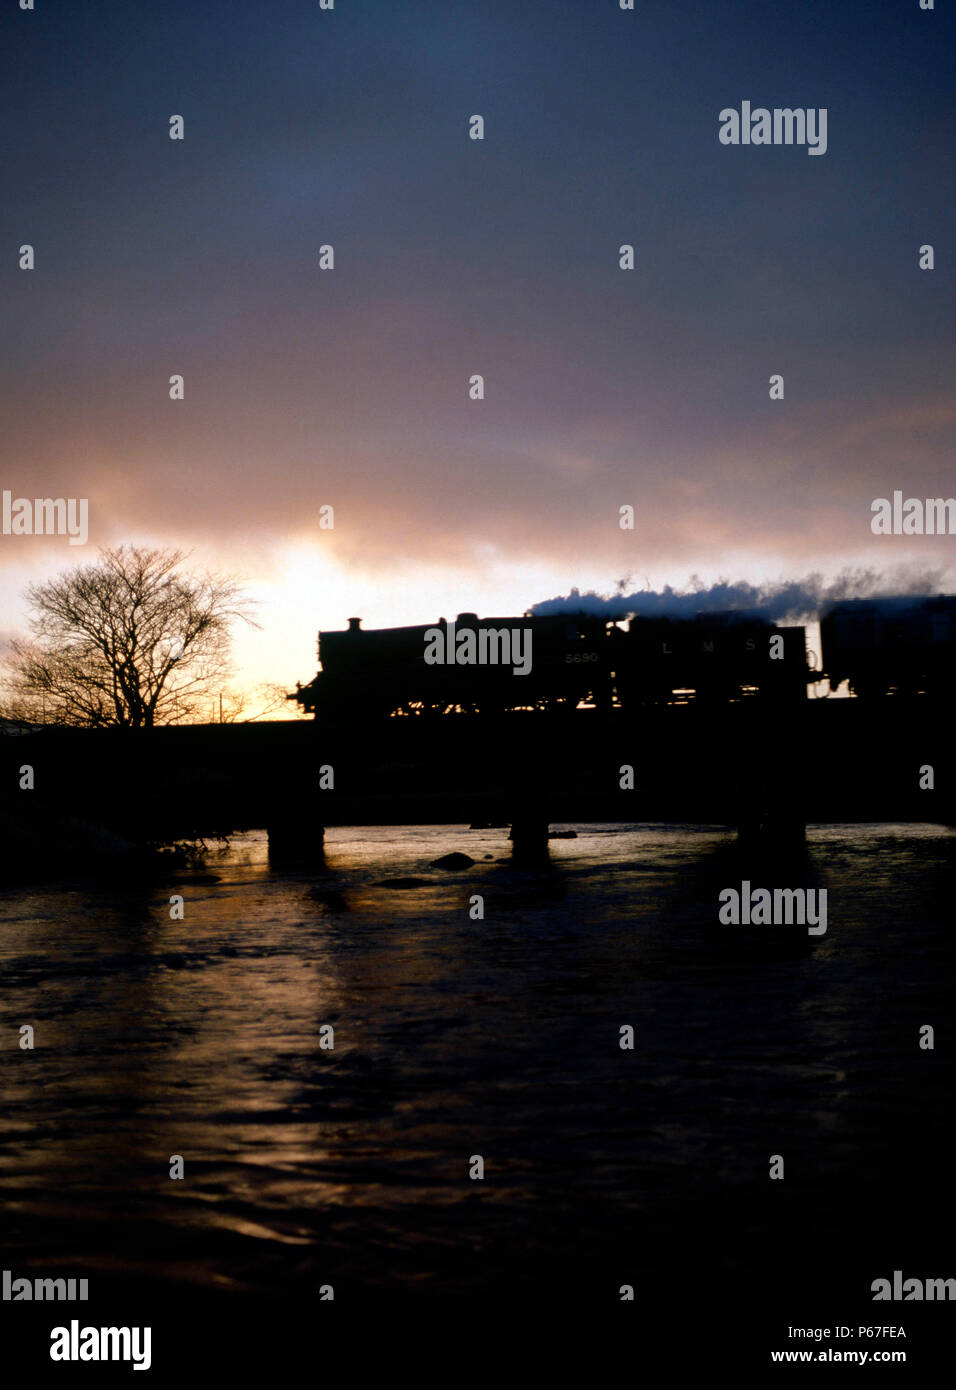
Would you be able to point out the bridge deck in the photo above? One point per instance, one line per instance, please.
(824, 761)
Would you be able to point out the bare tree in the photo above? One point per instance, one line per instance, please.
(128, 640)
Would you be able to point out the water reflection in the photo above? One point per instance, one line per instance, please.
(456, 1036)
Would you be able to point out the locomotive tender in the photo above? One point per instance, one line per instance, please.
(577, 659)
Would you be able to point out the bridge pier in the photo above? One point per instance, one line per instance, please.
(296, 842)
(529, 840)
(771, 791)
(772, 828)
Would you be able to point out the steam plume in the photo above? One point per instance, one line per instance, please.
(793, 599)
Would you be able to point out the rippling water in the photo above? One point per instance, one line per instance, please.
(456, 1037)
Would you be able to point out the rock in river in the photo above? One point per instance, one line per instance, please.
(454, 860)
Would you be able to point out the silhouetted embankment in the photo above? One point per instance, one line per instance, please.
(40, 845)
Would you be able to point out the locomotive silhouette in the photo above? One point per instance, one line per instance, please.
(890, 646)
(880, 647)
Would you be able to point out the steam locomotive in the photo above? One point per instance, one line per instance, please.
(553, 663)
(880, 647)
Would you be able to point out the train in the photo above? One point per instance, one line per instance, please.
(902, 646)
(878, 647)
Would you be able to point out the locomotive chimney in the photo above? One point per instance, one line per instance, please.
(355, 624)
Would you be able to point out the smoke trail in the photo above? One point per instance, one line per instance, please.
(794, 599)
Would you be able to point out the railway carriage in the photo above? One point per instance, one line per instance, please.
(891, 646)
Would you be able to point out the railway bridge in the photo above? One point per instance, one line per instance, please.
(765, 771)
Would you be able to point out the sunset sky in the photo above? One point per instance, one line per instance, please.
(349, 387)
